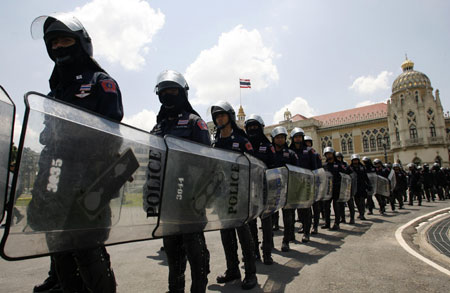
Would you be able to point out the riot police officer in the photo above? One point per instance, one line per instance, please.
(283, 156)
(334, 167)
(177, 117)
(229, 136)
(79, 80)
(307, 160)
(381, 171)
(362, 184)
(350, 202)
(254, 127)
(428, 183)
(400, 185)
(439, 180)
(414, 184)
(370, 169)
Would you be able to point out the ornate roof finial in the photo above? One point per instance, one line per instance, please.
(407, 64)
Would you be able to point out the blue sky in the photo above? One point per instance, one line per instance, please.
(314, 57)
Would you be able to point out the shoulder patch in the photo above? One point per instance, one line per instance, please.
(109, 86)
(248, 146)
(273, 149)
(202, 125)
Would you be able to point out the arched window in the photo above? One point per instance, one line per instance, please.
(373, 146)
(432, 130)
(329, 143)
(350, 145)
(417, 161)
(379, 142)
(413, 131)
(324, 145)
(397, 134)
(387, 140)
(344, 146)
(365, 144)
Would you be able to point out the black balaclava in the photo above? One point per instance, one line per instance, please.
(256, 136)
(173, 105)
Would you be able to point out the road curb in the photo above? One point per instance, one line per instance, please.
(413, 224)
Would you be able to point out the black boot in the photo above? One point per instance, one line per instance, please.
(249, 282)
(268, 259)
(48, 284)
(335, 227)
(229, 276)
(285, 247)
(352, 221)
(305, 238)
(314, 230)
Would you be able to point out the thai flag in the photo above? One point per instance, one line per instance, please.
(245, 83)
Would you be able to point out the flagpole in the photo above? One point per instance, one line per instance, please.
(240, 94)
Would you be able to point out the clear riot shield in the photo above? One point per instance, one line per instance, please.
(204, 188)
(277, 181)
(329, 190)
(80, 181)
(346, 188)
(258, 194)
(383, 186)
(392, 179)
(300, 190)
(373, 178)
(323, 182)
(7, 113)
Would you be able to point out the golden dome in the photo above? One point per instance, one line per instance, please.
(407, 65)
(410, 78)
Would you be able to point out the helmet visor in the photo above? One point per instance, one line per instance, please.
(38, 24)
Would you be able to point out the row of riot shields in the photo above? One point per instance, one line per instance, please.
(380, 184)
(83, 180)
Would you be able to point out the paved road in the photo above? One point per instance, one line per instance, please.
(365, 257)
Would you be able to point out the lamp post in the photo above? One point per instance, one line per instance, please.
(385, 150)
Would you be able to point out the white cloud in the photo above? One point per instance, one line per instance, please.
(121, 29)
(144, 120)
(297, 106)
(364, 103)
(367, 85)
(239, 53)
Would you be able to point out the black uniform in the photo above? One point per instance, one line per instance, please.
(362, 185)
(350, 202)
(427, 177)
(369, 202)
(307, 159)
(283, 157)
(381, 199)
(237, 142)
(400, 187)
(90, 268)
(191, 246)
(439, 181)
(265, 152)
(335, 168)
(414, 186)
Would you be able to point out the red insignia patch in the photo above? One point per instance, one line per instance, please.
(109, 86)
(248, 146)
(202, 125)
(273, 149)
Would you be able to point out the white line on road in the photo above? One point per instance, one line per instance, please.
(398, 235)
